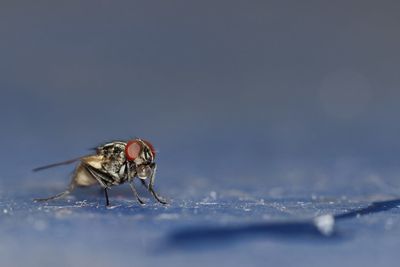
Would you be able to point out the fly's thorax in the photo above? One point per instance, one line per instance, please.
(113, 150)
(113, 156)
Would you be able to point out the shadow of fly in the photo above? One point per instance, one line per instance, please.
(114, 163)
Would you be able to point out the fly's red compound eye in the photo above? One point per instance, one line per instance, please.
(153, 151)
(133, 149)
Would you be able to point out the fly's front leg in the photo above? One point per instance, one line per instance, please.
(132, 185)
(150, 187)
(136, 194)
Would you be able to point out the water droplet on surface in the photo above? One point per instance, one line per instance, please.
(325, 224)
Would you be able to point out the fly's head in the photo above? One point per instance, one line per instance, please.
(142, 154)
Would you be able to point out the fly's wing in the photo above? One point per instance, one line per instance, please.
(58, 164)
(67, 161)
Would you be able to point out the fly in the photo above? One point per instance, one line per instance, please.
(114, 163)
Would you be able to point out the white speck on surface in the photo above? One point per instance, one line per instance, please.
(82, 203)
(5, 211)
(112, 207)
(207, 203)
(325, 224)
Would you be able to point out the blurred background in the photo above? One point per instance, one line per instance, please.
(273, 99)
(264, 93)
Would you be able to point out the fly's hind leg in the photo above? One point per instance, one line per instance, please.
(80, 178)
(70, 188)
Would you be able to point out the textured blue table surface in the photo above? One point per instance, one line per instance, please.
(209, 228)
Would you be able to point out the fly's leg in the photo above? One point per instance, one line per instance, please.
(106, 195)
(102, 178)
(157, 197)
(131, 184)
(150, 187)
(135, 193)
(152, 192)
(70, 188)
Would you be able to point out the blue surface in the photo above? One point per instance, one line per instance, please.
(266, 116)
(220, 229)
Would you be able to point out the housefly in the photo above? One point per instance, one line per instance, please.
(113, 163)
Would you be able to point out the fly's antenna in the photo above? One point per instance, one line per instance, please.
(56, 164)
